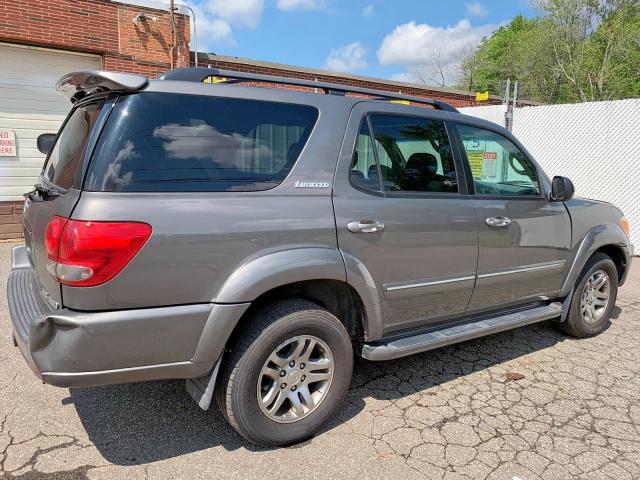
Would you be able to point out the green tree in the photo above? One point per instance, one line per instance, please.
(492, 63)
(616, 47)
(576, 50)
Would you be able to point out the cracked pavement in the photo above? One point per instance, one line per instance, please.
(522, 405)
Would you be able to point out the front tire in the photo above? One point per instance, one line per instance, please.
(593, 299)
(287, 374)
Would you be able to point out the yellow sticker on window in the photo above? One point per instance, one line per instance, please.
(475, 161)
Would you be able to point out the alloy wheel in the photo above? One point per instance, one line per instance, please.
(295, 379)
(595, 297)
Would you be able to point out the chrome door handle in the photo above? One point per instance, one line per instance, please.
(498, 221)
(365, 226)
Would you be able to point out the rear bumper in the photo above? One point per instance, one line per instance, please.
(69, 348)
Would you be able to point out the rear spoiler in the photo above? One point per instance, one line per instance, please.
(77, 85)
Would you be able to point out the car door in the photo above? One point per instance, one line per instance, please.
(524, 238)
(402, 211)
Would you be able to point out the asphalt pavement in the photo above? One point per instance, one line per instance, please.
(522, 405)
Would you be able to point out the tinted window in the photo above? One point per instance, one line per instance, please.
(364, 170)
(68, 152)
(414, 154)
(166, 142)
(497, 165)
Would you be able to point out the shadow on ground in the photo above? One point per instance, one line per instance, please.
(147, 422)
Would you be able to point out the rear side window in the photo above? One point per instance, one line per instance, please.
(167, 142)
(68, 152)
(414, 154)
(364, 169)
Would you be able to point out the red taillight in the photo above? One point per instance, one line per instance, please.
(84, 253)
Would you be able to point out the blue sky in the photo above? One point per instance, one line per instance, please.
(399, 39)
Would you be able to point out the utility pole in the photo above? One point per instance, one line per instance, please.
(195, 30)
(508, 115)
(172, 16)
(505, 99)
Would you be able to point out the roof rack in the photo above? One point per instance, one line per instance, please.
(200, 74)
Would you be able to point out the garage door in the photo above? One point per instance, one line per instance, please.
(29, 106)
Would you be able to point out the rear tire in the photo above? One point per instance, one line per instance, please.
(294, 343)
(593, 298)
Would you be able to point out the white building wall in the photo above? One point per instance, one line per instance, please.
(30, 106)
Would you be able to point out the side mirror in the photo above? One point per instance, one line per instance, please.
(45, 142)
(561, 189)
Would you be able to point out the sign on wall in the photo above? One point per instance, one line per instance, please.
(7, 143)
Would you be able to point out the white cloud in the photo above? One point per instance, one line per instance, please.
(413, 44)
(403, 77)
(212, 31)
(299, 4)
(347, 58)
(244, 13)
(217, 29)
(215, 19)
(367, 11)
(428, 52)
(476, 9)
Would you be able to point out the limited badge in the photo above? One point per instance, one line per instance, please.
(299, 184)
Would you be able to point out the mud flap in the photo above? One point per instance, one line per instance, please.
(201, 388)
(566, 305)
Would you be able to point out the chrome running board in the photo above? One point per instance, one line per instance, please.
(421, 342)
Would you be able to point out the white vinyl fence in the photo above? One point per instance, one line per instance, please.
(595, 144)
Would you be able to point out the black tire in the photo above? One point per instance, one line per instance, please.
(575, 324)
(236, 392)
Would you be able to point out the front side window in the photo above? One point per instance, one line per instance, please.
(498, 167)
(156, 142)
(67, 154)
(414, 154)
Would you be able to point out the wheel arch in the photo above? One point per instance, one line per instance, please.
(616, 253)
(322, 275)
(609, 239)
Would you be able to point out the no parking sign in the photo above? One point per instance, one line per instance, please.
(7, 143)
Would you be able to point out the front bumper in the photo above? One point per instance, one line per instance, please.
(629, 252)
(70, 348)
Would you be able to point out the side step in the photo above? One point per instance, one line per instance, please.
(421, 342)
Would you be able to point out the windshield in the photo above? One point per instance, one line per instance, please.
(66, 156)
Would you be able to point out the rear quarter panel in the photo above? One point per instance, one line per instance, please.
(200, 238)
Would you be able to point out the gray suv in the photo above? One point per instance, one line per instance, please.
(250, 240)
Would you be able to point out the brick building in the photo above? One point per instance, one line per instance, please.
(456, 98)
(40, 41)
(128, 38)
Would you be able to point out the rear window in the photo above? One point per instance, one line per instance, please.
(168, 142)
(67, 154)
